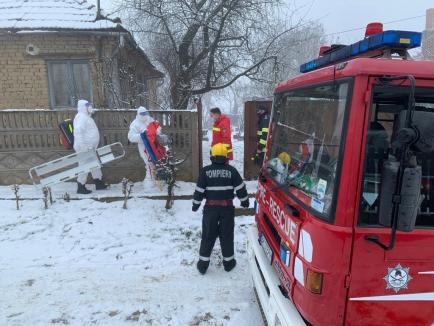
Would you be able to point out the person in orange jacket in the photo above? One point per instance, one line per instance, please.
(221, 131)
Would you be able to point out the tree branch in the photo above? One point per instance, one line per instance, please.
(230, 82)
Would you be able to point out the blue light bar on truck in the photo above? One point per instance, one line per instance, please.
(384, 40)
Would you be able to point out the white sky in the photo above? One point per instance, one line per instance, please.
(341, 15)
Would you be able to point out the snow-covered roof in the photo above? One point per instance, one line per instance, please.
(18, 15)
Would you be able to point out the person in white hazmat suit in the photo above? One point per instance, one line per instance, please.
(86, 138)
(137, 127)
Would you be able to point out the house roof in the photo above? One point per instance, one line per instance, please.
(16, 15)
(43, 16)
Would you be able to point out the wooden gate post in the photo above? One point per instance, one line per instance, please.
(198, 102)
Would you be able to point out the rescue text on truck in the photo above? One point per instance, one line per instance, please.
(344, 230)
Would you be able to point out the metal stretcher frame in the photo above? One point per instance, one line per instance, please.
(70, 166)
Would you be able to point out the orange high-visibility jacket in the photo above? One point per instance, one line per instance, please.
(221, 134)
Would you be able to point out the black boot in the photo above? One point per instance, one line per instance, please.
(100, 185)
(229, 265)
(81, 189)
(202, 266)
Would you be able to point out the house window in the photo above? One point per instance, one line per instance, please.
(69, 81)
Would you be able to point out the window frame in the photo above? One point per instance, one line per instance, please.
(370, 113)
(70, 79)
(329, 218)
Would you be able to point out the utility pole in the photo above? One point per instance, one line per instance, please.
(98, 10)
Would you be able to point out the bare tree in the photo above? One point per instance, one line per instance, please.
(206, 45)
(123, 86)
(291, 50)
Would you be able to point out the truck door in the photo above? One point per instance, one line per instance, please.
(394, 287)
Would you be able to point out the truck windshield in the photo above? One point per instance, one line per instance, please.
(307, 136)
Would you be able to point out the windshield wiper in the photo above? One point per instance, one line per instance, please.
(291, 209)
(288, 184)
(280, 124)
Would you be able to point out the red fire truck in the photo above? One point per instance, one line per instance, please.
(344, 230)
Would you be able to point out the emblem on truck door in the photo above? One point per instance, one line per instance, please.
(397, 278)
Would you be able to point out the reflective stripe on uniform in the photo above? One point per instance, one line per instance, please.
(241, 185)
(263, 142)
(228, 258)
(220, 188)
(264, 130)
(259, 133)
(199, 189)
(204, 258)
(216, 129)
(244, 199)
(197, 202)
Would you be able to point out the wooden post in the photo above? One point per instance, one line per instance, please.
(196, 145)
(199, 107)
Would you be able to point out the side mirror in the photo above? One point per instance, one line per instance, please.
(421, 135)
(410, 196)
(423, 122)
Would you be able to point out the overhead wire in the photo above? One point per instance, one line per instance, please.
(386, 23)
(301, 40)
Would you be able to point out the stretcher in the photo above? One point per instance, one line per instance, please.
(70, 166)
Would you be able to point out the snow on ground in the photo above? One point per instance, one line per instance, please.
(85, 262)
(31, 192)
(58, 190)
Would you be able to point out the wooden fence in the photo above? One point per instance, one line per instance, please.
(30, 138)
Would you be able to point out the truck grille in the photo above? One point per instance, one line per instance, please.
(276, 237)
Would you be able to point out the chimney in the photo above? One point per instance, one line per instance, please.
(429, 19)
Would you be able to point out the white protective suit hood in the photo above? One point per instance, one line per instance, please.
(143, 115)
(84, 106)
(86, 134)
(139, 125)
